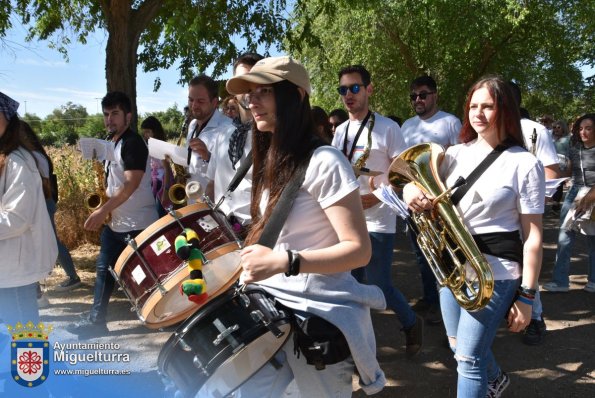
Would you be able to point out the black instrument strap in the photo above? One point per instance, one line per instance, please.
(475, 174)
(245, 165)
(359, 132)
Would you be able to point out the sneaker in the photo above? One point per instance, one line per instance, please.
(86, 327)
(43, 302)
(589, 287)
(421, 306)
(68, 284)
(535, 332)
(496, 387)
(433, 316)
(554, 287)
(414, 337)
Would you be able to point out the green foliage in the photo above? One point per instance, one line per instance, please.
(171, 119)
(455, 41)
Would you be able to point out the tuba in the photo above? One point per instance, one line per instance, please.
(442, 237)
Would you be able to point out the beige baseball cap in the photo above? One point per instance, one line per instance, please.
(268, 71)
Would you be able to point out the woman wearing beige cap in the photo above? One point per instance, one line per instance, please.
(322, 239)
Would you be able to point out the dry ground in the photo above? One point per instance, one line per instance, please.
(564, 365)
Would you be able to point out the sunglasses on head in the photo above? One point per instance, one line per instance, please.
(354, 88)
(423, 95)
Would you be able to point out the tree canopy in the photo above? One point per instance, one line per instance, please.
(454, 41)
(155, 34)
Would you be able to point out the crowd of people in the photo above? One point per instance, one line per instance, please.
(319, 177)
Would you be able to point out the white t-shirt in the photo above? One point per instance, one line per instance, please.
(545, 149)
(198, 168)
(138, 211)
(221, 171)
(387, 143)
(514, 184)
(442, 128)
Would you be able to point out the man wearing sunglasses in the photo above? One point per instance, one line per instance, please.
(428, 125)
(370, 141)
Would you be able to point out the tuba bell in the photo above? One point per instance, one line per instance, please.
(444, 240)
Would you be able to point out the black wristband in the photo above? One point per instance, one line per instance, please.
(525, 291)
(294, 263)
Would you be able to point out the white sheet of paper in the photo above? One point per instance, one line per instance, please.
(94, 148)
(387, 195)
(552, 185)
(159, 149)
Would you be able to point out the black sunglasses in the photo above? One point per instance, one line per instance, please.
(421, 95)
(354, 88)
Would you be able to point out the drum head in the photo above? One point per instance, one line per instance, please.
(152, 274)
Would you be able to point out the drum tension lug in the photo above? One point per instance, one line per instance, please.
(226, 334)
(257, 316)
(198, 365)
(245, 300)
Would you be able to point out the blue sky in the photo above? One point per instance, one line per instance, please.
(34, 73)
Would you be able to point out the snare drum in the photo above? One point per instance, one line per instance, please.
(221, 346)
(150, 272)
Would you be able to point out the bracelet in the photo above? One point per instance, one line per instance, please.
(294, 263)
(525, 300)
(527, 291)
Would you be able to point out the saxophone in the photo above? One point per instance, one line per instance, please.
(98, 198)
(442, 237)
(177, 191)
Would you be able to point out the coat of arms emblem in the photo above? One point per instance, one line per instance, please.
(30, 353)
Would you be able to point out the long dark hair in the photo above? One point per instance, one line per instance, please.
(507, 119)
(277, 155)
(10, 140)
(153, 124)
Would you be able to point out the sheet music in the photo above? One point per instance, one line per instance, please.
(159, 149)
(552, 185)
(102, 149)
(387, 195)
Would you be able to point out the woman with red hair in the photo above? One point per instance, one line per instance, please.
(503, 211)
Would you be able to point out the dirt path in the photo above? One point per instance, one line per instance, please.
(564, 365)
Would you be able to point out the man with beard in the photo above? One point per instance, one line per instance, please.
(203, 100)
(429, 125)
(370, 141)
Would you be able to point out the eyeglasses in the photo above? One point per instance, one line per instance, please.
(423, 95)
(354, 88)
(257, 94)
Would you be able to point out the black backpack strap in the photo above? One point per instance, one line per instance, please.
(475, 174)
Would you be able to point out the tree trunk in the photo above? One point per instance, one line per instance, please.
(124, 26)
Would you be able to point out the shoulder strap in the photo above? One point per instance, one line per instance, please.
(271, 231)
(475, 174)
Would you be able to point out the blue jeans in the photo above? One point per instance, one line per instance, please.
(566, 241)
(333, 381)
(473, 334)
(19, 304)
(377, 272)
(64, 258)
(428, 279)
(112, 245)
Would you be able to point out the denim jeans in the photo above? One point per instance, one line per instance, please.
(19, 304)
(64, 258)
(378, 272)
(566, 241)
(112, 245)
(270, 381)
(474, 333)
(428, 279)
